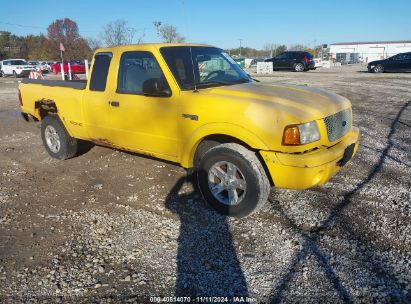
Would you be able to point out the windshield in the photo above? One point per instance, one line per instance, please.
(18, 62)
(202, 67)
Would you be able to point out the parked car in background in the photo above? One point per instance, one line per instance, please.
(44, 66)
(76, 67)
(15, 67)
(298, 61)
(318, 63)
(39, 66)
(397, 63)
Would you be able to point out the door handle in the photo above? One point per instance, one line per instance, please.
(114, 103)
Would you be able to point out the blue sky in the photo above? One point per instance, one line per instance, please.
(224, 22)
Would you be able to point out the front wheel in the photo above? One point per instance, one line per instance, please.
(232, 180)
(299, 67)
(58, 143)
(379, 68)
(14, 74)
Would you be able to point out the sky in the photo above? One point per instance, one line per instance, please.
(223, 23)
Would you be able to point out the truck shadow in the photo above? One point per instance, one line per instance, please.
(311, 238)
(207, 264)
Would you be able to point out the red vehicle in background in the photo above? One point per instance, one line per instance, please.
(76, 67)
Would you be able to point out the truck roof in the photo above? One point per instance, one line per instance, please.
(145, 46)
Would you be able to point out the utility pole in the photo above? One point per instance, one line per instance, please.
(240, 45)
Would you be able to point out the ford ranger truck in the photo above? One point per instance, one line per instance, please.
(193, 105)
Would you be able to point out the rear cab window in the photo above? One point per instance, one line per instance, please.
(98, 80)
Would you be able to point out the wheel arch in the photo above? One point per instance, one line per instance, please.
(45, 107)
(220, 133)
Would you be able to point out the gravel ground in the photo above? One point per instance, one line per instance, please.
(110, 227)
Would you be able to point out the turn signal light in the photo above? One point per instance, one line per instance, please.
(291, 136)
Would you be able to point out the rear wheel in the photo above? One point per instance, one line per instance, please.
(58, 143)
(232, 180)
(299, 67)
(2, 74)
(379, 68)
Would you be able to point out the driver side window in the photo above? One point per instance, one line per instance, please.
(135, 69)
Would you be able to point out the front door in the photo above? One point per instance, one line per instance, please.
(407, 62)
(122, 116)
(396, 63)
(145, 123)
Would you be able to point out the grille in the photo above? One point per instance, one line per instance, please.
(338, 124)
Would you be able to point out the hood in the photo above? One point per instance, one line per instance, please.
(303, 102)
(376, 62)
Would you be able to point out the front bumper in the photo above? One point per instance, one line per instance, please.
(306, 170)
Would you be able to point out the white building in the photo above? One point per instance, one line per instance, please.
(369, 51)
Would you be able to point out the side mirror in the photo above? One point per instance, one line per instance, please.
(154, 87)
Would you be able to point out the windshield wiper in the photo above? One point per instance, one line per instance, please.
(203, 85)
(243, 80)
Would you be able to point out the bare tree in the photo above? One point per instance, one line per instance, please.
(118, 33)
(157, 25)
(168, 33)
(93, 43)
(298, 47)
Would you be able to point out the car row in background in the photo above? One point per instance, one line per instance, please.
(22, 68)
(397, 63)
(298, 61)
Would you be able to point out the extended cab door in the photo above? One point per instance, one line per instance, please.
(127, 118)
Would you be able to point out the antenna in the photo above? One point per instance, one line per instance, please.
(194, 74)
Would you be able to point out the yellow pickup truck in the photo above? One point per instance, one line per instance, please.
(193, 105)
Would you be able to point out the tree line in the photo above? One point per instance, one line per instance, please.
(119, 32)
(66, 31)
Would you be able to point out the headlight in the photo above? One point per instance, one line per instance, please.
(18, 68)
(301, 134)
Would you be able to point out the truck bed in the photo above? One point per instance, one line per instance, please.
(73, 84)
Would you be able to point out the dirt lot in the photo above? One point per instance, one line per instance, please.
(110, 226)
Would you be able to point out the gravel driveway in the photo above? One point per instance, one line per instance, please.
(113, 227)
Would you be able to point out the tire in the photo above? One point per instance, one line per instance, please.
(379, 68)
(14, 74)
(299, 67)
(58, 143)
(2, 74)
(237, 192)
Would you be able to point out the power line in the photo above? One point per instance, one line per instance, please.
(21, 25)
